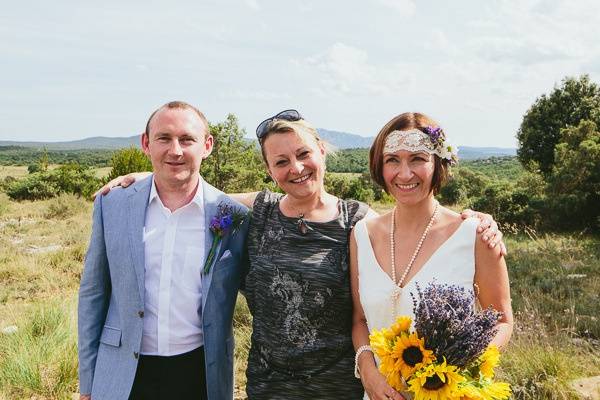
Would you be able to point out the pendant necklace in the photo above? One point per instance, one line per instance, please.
(302, 226)
(397, 292)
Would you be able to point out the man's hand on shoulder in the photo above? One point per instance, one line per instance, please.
(85, 397)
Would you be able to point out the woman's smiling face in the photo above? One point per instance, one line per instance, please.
(296, 162)
(408, 175)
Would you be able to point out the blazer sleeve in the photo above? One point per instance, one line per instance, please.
(94, 296)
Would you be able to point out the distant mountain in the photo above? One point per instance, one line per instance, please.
(341, 140)
(473, 153)
(98, 142)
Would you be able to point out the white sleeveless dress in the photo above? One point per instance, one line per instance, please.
(452, 263)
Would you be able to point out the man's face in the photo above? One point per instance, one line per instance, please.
(176, 144)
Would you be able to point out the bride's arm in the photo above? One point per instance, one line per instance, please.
(373, 381)
(491, 277)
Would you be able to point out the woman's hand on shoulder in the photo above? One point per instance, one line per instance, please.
(377, 387)
(123, 181)
(490, 233)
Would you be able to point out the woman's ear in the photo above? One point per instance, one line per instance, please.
(322, 148)
(270, 174)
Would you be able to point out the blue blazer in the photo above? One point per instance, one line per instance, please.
(111, 295)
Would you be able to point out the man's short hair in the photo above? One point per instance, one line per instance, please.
(182, 105)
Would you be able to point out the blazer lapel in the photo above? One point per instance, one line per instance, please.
(138, 203)
(210, 195)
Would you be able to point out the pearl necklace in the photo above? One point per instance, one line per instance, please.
(398, 283)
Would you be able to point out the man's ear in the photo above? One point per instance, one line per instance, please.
(209, 142)
(145, 144)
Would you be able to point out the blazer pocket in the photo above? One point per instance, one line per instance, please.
(226, 254)
(111, 336)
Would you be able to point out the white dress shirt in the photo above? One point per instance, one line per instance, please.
(174, 251)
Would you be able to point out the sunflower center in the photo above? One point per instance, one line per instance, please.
(433, 383)
(412, 356)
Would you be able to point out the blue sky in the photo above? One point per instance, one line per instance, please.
(72, 70)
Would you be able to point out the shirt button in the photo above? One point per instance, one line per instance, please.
(136, 355)
(141, 314)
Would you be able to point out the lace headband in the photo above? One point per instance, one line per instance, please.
(432, 141)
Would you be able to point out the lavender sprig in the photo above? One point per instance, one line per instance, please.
(227, 220)
(446, 317)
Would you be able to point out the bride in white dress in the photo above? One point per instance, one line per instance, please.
(417, 242)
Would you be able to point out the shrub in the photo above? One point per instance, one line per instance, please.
(63, 206)
(69, 178)
(36, 186)
(464, 185)
(128, 160)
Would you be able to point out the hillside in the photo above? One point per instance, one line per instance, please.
(340, 140)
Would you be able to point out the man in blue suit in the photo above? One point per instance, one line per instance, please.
(154, 323)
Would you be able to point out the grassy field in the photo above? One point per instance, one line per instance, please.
(555, 285)
(12, 170)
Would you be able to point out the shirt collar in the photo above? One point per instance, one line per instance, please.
(197, 199)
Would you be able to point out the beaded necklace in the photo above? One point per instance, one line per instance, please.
(398, 283)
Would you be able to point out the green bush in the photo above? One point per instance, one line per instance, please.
(128, 160)
(574, 184)
(37, 186)
(69, 178)
(348, 186)
(464, 185)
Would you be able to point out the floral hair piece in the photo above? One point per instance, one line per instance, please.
(432, 140)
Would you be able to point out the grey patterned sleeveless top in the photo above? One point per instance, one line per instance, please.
(298, 292)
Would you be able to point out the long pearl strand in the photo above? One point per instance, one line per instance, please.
(398, 283)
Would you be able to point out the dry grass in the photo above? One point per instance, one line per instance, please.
(12, 170)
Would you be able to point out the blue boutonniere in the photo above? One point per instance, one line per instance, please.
(227, 221)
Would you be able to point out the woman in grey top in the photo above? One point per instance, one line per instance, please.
(297, 286)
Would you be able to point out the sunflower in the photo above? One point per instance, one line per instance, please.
(489, 360)
(471, 393)
(410, 354)
(437, 382)
(381, 343)
(496, 391)
(401, 325)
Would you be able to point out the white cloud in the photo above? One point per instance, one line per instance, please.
(253, 4)
(259, 95)
(405, 8)
(345, 70)
(525, 51)
(536, 31)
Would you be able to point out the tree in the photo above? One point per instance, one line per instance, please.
(574, 185)
(465, 184)
(128, 160)
(575, 100)
(235, 165)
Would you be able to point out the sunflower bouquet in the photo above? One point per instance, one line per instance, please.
(448, 354)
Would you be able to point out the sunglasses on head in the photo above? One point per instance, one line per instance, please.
(287, 115)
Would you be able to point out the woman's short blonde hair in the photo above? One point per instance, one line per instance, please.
(300, 127)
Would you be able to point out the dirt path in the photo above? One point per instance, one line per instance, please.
(588, 388)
